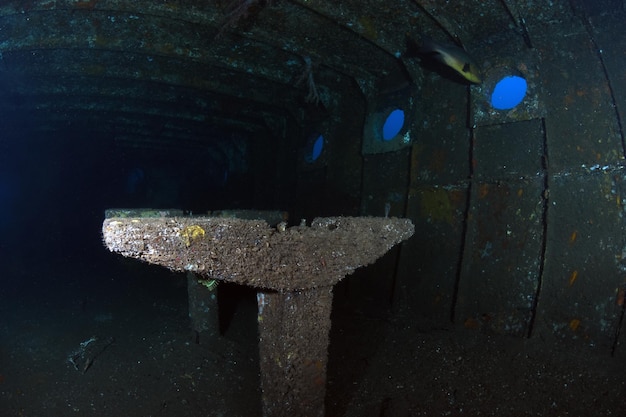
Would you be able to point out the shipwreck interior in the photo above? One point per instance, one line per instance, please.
(495, 126)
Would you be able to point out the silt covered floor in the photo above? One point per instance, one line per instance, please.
(146, 361)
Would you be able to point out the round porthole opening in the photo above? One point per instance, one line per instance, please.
(508, 92)
(393, 124)
(315, 146)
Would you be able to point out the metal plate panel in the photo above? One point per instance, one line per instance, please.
(585, 259)
(502, 256)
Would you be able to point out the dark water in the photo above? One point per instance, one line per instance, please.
(63, 295)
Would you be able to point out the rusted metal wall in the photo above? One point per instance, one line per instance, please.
(436, 201)
(528, 239)
(611, 48)
(503, 245)
(585, 237)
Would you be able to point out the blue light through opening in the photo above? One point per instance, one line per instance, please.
(318, 147)
(314, 148)
(509, 92)
(393, 124)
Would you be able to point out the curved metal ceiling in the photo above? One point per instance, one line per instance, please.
(175, 69)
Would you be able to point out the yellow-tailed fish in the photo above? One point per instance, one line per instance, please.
(451, 56)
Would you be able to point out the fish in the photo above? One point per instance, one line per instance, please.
(450, 56)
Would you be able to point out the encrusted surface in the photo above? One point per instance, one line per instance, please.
(250, 252)
(293, 349)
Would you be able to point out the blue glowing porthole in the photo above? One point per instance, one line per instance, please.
(315, 148)
(509, 92)
(393, 124)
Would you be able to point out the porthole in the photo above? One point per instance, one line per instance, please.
(393, 124)
(508, 92)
